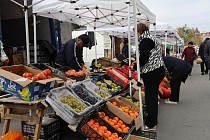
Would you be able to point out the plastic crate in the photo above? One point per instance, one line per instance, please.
(118, 77)
(64, 91)
(102, 78)
(90, 133)
(152, 135)
(55, 72)
(90, 85)
(49, 131)
(85, 94)
(111, 115)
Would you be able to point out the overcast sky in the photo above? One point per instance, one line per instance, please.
(193, 13)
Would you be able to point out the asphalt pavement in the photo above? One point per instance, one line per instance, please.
(190, 118)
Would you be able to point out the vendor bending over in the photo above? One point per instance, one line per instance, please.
(71, 53)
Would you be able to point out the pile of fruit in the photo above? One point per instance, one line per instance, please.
(45, 74)
(164, 89)
(131, 112)
(109, 86)
(73, 103)
(130, 100)
(115, 122)
(101, 93)
(84, 95)
(102, 130)
(80, 73)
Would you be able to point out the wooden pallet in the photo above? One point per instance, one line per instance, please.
(12, 103)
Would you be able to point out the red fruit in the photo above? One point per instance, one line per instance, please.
(34, 78)
(45, 73)
(48, 77)
(29, 78)
(41, 76)
(24, 74)
(28, 74)
(48, 71)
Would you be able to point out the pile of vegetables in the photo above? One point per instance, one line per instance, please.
(45, 74)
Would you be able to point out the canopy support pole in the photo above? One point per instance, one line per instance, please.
(95, 46)
(165, 43)
(27, 32)
(35, 39)
(138, 63)
(129, 47)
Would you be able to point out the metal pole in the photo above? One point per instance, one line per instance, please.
(138, 62)
(112, 46)
(129, 47)
(95, 47)
(27, 32)
(35, 40)
(165, 42)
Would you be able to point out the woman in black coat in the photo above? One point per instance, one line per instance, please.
(178, 70)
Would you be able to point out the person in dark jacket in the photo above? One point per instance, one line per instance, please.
(189, 54)
(71, 54)
(178, 70)
(152, 72)
(125, 49)
(207, 54)
(201, 55)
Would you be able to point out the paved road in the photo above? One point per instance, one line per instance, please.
(190, 119)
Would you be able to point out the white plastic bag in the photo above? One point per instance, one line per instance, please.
(3, 54)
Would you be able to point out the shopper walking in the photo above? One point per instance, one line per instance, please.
(178, 70)
(125, 49)
(152, 72)
(207, 54)
(201, 55)
(189, 54)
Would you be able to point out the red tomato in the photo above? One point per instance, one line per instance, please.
(48, 77)
(41, 76)
(35, 78)
(24, 74)
(29, 75)
(45, 73)
(48, 71)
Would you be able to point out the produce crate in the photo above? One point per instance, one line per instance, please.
(90, 85)
(111, 115)
(84, 94)
(118, 77)
(102, 78)
(64, 91)
(152, 135)
(49, 131)
(90, 133)
(55, 72)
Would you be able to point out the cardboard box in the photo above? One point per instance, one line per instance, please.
(105, 62)
(2, 111)
(17, 59)
(133, 137)
(135, 92)
(12, 82)
(122, 115)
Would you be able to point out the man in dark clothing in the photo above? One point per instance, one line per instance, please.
(207, 53)
(125, 48)
(71, 54)
(189, 54)
(201, 55)
(178, 70)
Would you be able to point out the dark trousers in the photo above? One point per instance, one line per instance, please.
(191, 63)
(151, 83)
(175, 88)
(204, 64)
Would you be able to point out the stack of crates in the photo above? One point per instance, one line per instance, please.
(49, 131)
